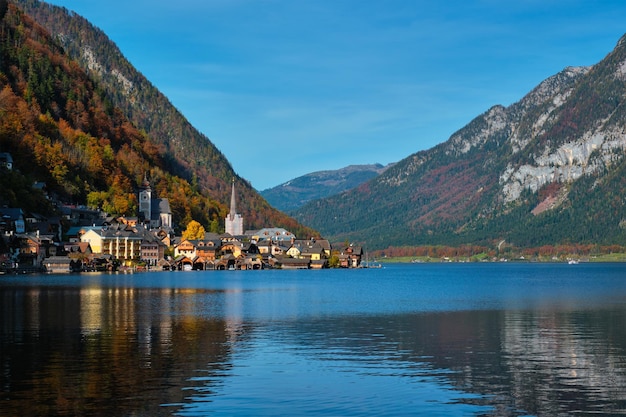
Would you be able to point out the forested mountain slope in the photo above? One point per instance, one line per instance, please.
(548, 169)
(79, 80)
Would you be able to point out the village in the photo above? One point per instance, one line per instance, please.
(98, 242)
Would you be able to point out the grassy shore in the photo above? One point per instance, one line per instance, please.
(613, 257)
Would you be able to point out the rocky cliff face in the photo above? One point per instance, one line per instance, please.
(587, 151)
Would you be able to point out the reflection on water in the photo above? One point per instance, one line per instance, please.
(244, 346)
(102, 352)
(518, 362)
(565, 362)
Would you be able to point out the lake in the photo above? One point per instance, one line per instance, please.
(507, 339)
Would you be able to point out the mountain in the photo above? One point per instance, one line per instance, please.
(176, 149)
(548, 169)
(293, 194)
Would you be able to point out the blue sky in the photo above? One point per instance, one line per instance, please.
(287, 87)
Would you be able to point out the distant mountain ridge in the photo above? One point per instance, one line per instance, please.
(548, 169)
(293, 194)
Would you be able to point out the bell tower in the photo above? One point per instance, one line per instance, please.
(145, 200)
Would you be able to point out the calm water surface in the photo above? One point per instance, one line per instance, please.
(426, 339)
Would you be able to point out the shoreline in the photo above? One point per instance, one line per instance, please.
(616, 257)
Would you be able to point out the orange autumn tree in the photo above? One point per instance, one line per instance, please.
(194, 231)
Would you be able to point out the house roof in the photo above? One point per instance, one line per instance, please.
(315, 249)
(250, 248)
(324, 243)
(312, 246)
(75, 230)
(275, 234)
(57, 260)
(82, 247)
(120, 231)
(163, 262)
(352, 249)
(12, 213)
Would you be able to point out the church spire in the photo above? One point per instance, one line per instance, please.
(233, 201)
(234, 220)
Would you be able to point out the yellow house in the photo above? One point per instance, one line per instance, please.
(314, 250)
(94, 239)
(232, 247)
(294, 251)
(315, 253)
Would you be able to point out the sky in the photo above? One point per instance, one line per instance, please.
(288, 87)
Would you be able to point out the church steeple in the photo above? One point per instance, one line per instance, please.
(233, 202)
(234, 220)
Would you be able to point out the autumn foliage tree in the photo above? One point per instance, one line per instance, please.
(194, 231)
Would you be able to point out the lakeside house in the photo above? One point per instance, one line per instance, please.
(351, 256)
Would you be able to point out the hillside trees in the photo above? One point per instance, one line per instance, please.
(61, 131)
(17, 191)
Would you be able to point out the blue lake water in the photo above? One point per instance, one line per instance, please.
(407, 339)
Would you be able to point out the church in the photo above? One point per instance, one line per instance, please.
(155, 212)
(234, 220)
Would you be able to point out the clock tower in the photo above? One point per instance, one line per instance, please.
(145, 200)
